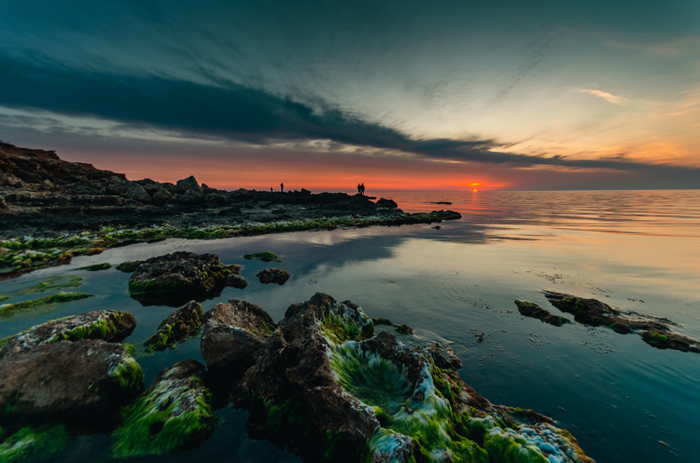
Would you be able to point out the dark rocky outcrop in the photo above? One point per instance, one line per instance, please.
(108, 325)
(233, 335)
(177, 327)
(174, 279)
(532, 310)
(42, 195)
(273, 275)
(655, 331)
(67, 379)
(175, 413)
(387, 203)
(323, 386)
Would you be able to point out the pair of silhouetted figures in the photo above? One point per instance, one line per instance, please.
(360, 188)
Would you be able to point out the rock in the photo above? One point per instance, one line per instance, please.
(162, 197)
(129, 267)
(672, 341)
(176, 328)
(233, 334)
(265, 256)
(67, 379)
(236, 281)
(174, 414)
(188, 198)
(327, 390)
(47, 185)
(655, 331)
(188, 184)
(174, 279)
(108, 325)
(531, 310)
(129, 190)
(387, 203)
(96, 267)
(273, 275)
(33, 443)
(41, 304)
(10, 180)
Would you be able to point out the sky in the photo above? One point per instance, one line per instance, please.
(400, 95)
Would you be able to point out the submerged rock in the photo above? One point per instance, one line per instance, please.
(96, 267)
(532, 310)
(108, 325)
(67, 379)
(173, 414)
(174, 279)
(233, 334)
(266, 256)
(40, 304)
(32, 443)
(655, 331)
(176, 328)
(129, 267)
(273, 275)
(328, 390)
(388, 203)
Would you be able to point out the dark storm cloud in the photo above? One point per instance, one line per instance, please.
(236, 112)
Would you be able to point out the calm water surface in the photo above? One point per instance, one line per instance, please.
(624, 400)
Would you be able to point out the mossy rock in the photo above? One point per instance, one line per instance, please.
(175, 413)
(33, 443)
(96, 267)
(42, 303)
(266, 256)
(176, 328)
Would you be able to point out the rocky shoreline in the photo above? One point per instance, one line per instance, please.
(53, 210)
(323, 382)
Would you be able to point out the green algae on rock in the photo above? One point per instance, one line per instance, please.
(176, 327)
(655, 331)
(37, 253)
(96, 267)
(375, 400)
(128, 267)
(532, 310)
(53, 283)
(42, 303)
(265, 256)
(32, 443)
(174, 279)
(108, 325)
(173, 414)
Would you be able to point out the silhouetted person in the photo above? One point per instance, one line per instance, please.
(270, 189)
(282, 187)
(359, 189)
(362, 188)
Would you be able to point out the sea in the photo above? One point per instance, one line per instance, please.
(455, 284)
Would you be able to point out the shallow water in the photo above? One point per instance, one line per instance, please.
(622, 399)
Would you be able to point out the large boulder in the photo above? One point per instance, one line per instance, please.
(129, 190)
(189, 185)
(67, 379)
(177, 327)
(233, 335)
(328, 390)
(109, 325)
(174, 279)
(175, 413)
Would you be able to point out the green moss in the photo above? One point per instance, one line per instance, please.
(504, 447)
(266, 256)
(152, 286)
(166, 419)
(129, 267)
(96, 267)
(44, 303)
(53, 283)
(340, 329)
(657, 338)
(33, 443)
(128, 373)
(100, 329)
(403, 329)
(4, 297)
(164, 339)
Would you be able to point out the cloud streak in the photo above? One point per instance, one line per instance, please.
(618, 100)
(231, 111)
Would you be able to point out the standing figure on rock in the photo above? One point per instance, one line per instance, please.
(282, 187)
(362, 188)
